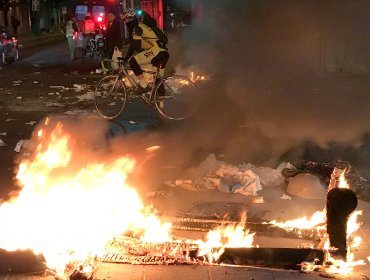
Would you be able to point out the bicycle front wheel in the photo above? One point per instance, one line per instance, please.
(175, 97)
(110, 97)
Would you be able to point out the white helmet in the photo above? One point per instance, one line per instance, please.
(130, 12)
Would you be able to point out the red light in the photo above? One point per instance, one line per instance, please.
(100, 19)
(104, 28)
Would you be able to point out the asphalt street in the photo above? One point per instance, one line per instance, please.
(45, 83)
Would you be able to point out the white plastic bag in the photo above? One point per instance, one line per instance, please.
(116, 53)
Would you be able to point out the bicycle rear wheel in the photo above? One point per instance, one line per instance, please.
(110, 97)
(175, 97)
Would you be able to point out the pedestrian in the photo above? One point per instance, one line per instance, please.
(70, 28)
(15, 23)
(52, 24)
(113, 35)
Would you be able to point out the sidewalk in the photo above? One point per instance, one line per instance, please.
(27, 40)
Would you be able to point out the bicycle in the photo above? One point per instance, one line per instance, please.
(95, 48)
(173, 96)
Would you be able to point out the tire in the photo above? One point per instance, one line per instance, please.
(110, 97)
(178, 101)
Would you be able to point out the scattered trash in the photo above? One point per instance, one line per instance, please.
(19, 97)
(60, 87)
(258, 200)
(247, 183)
(54, 104)
(100, 71)
(2, 143)
(31, 123)
(185, 184)
(3, 133)
(77, 87)
(35, 82)
(76, 112)
(224, 187)
(155, 194)
(9, 120)
(75, 73)
(181, 182)
(21, 144)
(38, 65)
(86, 96)
(269, 177)
(285, 196)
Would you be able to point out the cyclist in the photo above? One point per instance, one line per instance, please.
(151, 50)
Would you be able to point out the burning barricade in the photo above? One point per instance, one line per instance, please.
(76, 210)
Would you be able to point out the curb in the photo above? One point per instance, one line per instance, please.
(31, 40)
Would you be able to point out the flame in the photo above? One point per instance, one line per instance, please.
(317, 221)
(68, 209)
(342, 181)
(194, 78)
(227, 236)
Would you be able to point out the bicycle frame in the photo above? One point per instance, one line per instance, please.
(155, 74)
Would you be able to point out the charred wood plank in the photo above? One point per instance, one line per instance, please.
(287, 258)
(340, 203)
(262, 228)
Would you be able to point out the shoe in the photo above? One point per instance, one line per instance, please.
(142, 90)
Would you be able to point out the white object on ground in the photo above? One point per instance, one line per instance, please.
(285, 196)
(21, 144)
(307, 185)
(247, 183)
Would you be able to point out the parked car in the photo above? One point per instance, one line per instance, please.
(8, 46)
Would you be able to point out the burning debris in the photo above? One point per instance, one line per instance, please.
(77, 193)
(323, 172)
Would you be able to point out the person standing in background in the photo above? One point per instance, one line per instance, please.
(15, 23)
(69, 29)
(113, 35)
(88, 28)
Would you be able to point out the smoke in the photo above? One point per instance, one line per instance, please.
(277, 82)
(274, 92)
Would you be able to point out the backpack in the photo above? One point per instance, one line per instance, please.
(152, 23)
(160, 34)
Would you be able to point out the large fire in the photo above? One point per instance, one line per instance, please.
(69, 208)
